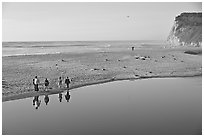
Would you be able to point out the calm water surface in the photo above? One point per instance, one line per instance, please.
(151, 106)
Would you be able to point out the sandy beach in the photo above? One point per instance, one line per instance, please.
(94, 68)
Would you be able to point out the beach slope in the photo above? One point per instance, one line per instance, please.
(96, 67)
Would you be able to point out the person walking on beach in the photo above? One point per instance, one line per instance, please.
(67, 82)
(60, 82)
(46, 84)
(133, 48)
(36, 82)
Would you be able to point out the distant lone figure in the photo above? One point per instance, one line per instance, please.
(46, 84)
(36, 82)
(133, 48)
(60, 82)
(67, 82)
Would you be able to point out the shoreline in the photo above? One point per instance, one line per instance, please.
(94, 68)
(57, 91)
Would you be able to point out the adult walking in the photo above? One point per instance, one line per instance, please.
(133, 48)
(67, 82)
(36, 82)
(46, 84)
(60, 82)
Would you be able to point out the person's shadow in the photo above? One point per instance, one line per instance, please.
(60, 97)
(46, 99)
(67, 96)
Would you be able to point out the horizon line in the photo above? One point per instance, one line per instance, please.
(76, 40)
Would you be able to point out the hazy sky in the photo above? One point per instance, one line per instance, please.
(90, 21)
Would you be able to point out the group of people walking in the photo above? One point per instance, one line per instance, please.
(36, 83)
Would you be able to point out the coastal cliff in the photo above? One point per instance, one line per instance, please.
(187, 30)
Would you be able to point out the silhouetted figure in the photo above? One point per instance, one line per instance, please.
(60, 97)
(36, 82)
(133, 48)
(67, 96)
(46, 84)
(46, 99)
(67, 82)
(60, 82)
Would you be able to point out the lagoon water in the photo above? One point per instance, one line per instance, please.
(150, 106)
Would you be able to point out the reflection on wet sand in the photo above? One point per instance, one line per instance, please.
(67, 96)
(60, 97)
(37, 101)
(171, 106)
(46, 99)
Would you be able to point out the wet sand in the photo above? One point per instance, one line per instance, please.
(94, 68)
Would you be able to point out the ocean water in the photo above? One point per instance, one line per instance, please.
(163, 106)
(56, 47)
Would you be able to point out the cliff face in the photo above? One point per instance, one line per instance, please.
(187, 30)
